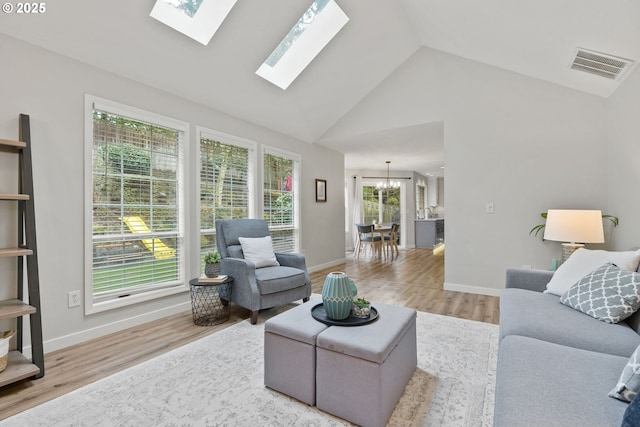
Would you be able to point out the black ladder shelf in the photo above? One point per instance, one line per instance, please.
(19, 367)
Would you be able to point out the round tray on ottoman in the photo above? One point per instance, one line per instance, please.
(319, 313)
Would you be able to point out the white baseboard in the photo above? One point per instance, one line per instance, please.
(471, 289)
(326, 265)
(109, 328)
(99, 331)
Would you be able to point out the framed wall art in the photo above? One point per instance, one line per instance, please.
(321, 190)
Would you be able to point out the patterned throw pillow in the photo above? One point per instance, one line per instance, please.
(629, 382)
(609, 293)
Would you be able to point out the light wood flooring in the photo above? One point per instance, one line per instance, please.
(413, 279)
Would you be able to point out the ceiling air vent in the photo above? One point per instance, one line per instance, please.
(601, 64)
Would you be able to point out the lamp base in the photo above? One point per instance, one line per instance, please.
(569, 248)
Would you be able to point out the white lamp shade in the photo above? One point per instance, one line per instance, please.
(581, 226)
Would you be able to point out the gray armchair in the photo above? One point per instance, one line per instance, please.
(259, 288)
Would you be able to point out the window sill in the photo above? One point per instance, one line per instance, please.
(93, 308)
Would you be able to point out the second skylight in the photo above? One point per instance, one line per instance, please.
(313, 31)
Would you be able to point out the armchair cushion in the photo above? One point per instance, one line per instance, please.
(259, 250)
(277, 279)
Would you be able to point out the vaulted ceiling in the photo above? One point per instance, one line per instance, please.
(537, 39)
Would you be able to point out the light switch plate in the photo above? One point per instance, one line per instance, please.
(491, 208)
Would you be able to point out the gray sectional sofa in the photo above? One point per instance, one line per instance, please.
(557, 365)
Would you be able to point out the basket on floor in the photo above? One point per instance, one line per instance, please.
(4, 348)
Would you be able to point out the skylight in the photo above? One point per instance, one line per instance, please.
(198, 19)
(313, 31)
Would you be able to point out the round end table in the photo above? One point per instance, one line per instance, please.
(210, 301)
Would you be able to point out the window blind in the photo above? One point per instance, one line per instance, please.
(137, 184)
(225, 185)
(280, 193)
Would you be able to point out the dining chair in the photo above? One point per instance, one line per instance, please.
(391, 239)
(367, 237)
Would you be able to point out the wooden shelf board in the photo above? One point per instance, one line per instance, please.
(9, 145)
(7, 252)
(18, 368)
(14, 197)
(12, 308)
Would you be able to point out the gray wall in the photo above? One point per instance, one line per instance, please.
(51, 89)
(521, 143)
(623, 120)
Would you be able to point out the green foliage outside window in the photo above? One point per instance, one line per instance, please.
(135, 174)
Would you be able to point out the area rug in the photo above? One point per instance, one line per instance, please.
(218, 381)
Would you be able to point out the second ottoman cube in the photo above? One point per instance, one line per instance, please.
(362, 371)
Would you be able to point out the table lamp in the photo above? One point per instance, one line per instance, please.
(574, 228)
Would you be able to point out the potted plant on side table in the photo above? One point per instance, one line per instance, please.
(212, 264)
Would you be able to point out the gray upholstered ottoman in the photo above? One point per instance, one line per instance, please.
(290, 352)
(362, 371)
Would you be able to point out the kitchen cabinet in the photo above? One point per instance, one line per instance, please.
(429, 232)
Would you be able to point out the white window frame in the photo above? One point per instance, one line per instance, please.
(403, 216)
(297, 161)
(91, 305)
(203, 132)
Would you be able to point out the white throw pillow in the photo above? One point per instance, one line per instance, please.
(584, 261)
(259, 250)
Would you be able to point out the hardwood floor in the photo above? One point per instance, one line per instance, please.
(414, 279)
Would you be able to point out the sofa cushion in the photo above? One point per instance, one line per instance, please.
(628, 384)
(609, 293)
(541, 316)
(277, 279)
(584, 261)
(545, 384)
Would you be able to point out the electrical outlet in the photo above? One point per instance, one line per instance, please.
(74, 298)
(491, 208)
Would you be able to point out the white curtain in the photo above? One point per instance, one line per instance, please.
(357, 207)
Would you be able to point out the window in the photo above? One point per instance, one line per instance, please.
(281, 172)
(134, 195)
(381, 206)
(313, 31)
(198, 19)
(420, 201)
(226, 183)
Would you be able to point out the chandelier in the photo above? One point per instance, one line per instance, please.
(388, 184)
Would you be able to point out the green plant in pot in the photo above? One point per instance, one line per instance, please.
(212, 264)
(361, 308)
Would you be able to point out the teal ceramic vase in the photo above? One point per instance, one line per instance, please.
(337, 295)
(354, 290)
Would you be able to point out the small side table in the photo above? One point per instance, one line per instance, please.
(210, 301)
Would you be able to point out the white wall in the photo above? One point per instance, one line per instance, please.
(623, 109)
(521, 143)
(51, 89)
(525, 145)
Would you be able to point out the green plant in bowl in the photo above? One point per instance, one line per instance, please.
(361, 307)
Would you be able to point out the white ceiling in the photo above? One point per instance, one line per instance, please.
(536, 39)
